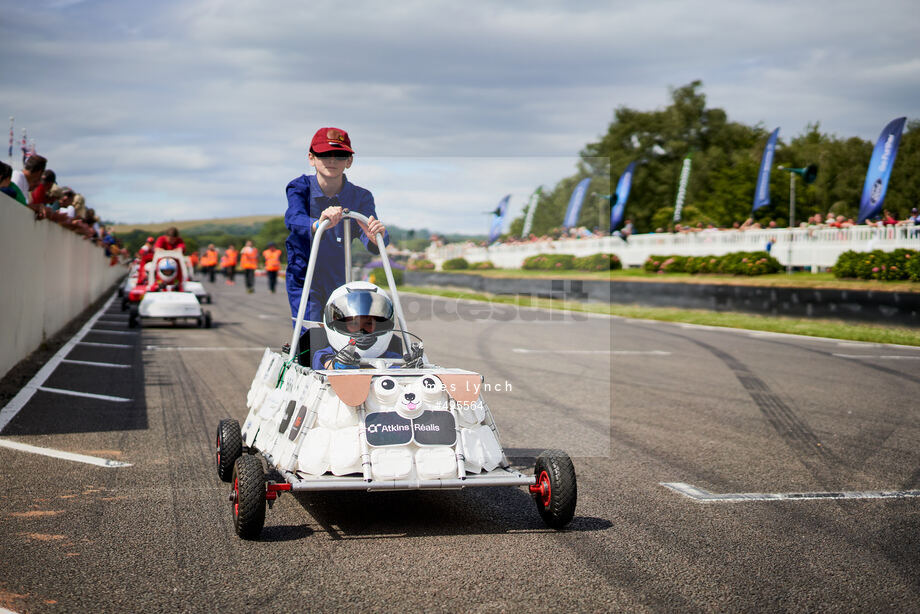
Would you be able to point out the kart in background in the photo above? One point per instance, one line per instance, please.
(374, 428)
(163, 294)
(194, 286)
(129, 284)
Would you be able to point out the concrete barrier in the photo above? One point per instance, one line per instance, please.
(48, 275)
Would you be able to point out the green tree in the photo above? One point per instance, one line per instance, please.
(725, 157)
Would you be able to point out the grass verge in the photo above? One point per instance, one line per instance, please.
(799, 279)
(833, 329)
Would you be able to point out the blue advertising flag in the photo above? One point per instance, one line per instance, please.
(762, 191)
(886, 148)
(578, 197)
(622, 193)
(498, 218)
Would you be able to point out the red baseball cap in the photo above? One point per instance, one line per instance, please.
(330, 139)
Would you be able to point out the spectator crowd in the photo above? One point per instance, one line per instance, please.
(36, 187)
(814, 222)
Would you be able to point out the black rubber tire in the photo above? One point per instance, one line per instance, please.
(249, 487)
(207, 319)
(229, 448)
(124, 303)
(121, 292)
(133, 317)
(558, 509)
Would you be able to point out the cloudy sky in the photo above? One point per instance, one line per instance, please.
(196, 109)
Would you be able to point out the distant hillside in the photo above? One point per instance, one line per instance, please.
(158, 227)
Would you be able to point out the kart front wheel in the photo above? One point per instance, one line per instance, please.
(247, 499)
(133, 317)
(229, 448)
(556, 490)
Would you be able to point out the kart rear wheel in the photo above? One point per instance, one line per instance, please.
(247, 499)
(124, 303)
(207, 319)
(133, 317)
(556, 490)
(229, 447)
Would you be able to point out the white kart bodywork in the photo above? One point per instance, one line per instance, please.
(131, 280)
(197, 288)
(169, 305)
(335, 430)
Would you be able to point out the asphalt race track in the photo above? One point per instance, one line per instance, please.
(793, 468)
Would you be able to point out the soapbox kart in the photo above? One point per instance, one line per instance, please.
(373, 428)
(162, 292)
(129, 283)
(194, 286)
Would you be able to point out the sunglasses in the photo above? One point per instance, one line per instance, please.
(338, 155)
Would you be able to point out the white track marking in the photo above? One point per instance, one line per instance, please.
(107, 331)
(71, 456)
(105, 345)
(614, 352)
(90, 363)
(88, 395)
(19, 401)
(203, 348)
(874, 357)
(704, 496)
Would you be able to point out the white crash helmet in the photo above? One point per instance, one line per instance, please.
(354, 299)
(167, 268)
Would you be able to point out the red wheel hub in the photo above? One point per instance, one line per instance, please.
(542, 489)
(236, 498)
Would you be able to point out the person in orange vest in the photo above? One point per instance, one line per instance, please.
(209, 262)
(193, 260)
(272, 257)
(249, 262)
(228, 264)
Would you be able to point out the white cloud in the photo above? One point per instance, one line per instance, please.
(204, 107)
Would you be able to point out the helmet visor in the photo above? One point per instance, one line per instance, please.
(354, 305)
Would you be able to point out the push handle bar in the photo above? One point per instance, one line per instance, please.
(311, 267)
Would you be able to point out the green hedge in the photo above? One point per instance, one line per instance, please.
(568, 262)
(482, 266)
(598, 262)
(737, 263)
(421, 265)
(900, 264)
(455, 264)
(378, 276)
(549, 262)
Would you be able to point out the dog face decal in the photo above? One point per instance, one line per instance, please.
(407, 396)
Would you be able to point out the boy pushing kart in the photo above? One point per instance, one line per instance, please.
(313, 198)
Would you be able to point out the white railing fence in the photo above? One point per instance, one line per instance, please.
(812, 248)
